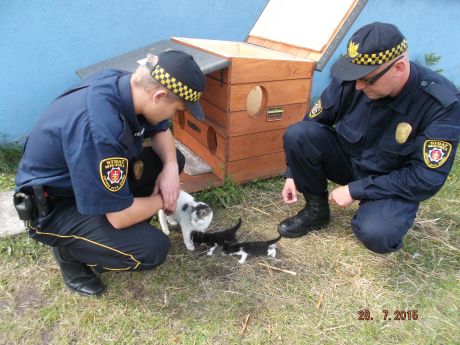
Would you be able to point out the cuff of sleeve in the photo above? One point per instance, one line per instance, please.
(356, 190)
(288, 173)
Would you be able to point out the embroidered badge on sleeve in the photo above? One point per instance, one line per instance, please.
(113, 172)
(316, 110)
(436, 152)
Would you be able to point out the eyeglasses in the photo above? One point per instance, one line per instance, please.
(372, 80)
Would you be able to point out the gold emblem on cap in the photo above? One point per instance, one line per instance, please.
(353, 50)
(138, 169)
(402, 132)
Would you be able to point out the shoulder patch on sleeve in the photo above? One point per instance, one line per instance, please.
(436, 152)
(316, 110)
(443, 94)
(113, 172)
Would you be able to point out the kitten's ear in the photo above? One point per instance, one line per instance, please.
(185, 207)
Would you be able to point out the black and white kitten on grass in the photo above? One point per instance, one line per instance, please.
(191, 216)
(256, 248)
(215, 239)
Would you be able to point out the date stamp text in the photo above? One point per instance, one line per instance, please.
(388, 315)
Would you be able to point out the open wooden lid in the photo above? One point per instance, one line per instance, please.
(310, 29)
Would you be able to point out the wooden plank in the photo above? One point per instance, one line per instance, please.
(234, 97)
(192, 184)
(266, 166)
(278, 93)
(246, 70)
(216, 93)
(231, 49)
(204, 134)
(284, 47)
(221, 76)
(240, 123)
(215, 117)
(203, 152)
(256, 144)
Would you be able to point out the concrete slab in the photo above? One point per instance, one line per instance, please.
(10, 223)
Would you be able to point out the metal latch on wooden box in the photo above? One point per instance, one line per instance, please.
(275, 113)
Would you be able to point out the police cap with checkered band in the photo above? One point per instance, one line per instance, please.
(369, 47)
(180, 74)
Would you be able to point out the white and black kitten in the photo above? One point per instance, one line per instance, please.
(215, 239)
(191, 216)
(256, 248)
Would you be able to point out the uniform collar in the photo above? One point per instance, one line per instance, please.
(127, 106)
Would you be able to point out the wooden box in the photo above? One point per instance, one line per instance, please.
(265, 88)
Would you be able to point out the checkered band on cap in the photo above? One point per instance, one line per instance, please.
(382, 57)
(176, 86)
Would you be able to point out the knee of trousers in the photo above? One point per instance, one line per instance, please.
(305, 132)
(153, 249)
(377, 235)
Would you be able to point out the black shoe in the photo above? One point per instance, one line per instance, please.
(77, 276)
(315, 215)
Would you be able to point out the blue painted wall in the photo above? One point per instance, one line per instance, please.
(44, 42)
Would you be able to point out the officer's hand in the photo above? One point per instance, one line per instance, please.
(168, 184)
(289, 192)
(341, 196)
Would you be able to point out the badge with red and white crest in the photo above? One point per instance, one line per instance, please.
(113, 172)
(436, 152)
(316, 109)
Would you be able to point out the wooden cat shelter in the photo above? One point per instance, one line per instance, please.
(254, 89)
(265, 88)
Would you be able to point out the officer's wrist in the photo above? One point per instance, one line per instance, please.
(170, 164)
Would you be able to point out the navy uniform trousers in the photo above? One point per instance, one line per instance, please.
(314, 155)
(95, 242)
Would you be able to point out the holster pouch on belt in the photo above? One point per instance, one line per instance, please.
(24, 205)
(40, 200)
(28, 206)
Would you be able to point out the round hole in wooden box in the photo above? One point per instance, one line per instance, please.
(256, 101)
(212, 140)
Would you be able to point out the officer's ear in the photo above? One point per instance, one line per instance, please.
(401, 65)
(158, 95)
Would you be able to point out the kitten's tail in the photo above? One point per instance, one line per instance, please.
(237, 226)
(274, 240)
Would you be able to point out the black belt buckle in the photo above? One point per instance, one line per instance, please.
(24, 205)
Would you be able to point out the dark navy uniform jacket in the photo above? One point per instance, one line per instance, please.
(83, 143)
(399, 147)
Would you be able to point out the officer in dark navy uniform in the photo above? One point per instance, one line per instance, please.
(385, 129)
(86, 186)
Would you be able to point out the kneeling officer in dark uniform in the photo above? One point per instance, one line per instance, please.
(86, 186)
(386, 129)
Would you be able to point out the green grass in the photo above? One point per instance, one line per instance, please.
(196, 299)
(10, 155)
(6, 182)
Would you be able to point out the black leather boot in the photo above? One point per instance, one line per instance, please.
(78, 276)
(315, 215)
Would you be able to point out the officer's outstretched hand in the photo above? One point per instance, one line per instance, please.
(341, 196)
(289, 192)
(168, 184)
